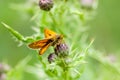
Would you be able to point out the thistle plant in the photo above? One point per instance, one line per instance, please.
(66, 60)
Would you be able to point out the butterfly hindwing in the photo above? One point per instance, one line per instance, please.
(43, 49)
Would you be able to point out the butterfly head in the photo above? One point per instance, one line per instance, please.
(57, 39)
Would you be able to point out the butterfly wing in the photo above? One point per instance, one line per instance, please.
(38, 44)
(45, 43)
(43, 49)
(48, 33)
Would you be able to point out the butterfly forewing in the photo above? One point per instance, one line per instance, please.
(38, 44)
(48, 33)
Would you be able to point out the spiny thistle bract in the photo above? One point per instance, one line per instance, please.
(61, 50)
(51, 57)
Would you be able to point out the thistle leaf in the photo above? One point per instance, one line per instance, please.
(14, 32)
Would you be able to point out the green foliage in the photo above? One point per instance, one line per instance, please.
(17, 35)
(18, 70)
(69, 19)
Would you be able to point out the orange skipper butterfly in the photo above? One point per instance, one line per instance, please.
(51, 39)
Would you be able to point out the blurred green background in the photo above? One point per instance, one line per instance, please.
(9, 51)
(104, 27)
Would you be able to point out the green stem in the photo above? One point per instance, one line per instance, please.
(65, 70)
(53, 19)
(66, 75)
(65, 0)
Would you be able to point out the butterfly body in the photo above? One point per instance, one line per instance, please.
(58, 39)
(51, 39)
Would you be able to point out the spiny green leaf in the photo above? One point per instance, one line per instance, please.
(14, 32)
(17, 35)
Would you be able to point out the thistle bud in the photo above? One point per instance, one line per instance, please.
(46, 4)
(4, 68)
(88, 4)
(3, 76)
(51, 57)
(61, 50)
